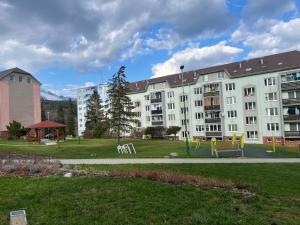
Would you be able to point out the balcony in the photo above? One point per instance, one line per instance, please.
(155, 112)
(213, 134)
(157, 123)
(291, 101)
(155, 100)
(292, 134)
(290, 86)
(291, 117)
(213, 120)
(212, 107)
(211, 93)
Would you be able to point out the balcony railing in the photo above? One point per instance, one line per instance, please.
(213, 134)
(212, 107)
(155, 100)
(291, 117)
(213, 120)
(290, 86)
(157, 123)
(156, 112)
(292, 133)
(211, 93)
(291, 101)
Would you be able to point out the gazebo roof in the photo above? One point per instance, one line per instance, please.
(46, 124)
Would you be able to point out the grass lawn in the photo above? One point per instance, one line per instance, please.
(106, 148)
(104, 200)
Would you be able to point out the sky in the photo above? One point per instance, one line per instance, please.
(70, 44)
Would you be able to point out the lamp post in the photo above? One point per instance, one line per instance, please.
(184, 112)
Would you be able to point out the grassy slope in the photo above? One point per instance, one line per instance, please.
(100, 200)
(106, 148)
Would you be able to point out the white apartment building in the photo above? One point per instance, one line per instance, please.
(258, 97)
(83, 94)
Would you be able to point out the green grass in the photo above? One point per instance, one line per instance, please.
(106, 148)
(104, 200)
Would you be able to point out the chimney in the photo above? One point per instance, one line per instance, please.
(261, 61)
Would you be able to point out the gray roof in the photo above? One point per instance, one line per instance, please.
(261, 65)
(15, 70)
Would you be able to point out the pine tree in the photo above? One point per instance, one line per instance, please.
(96, 121)
(60, 114)
(70, 118)
(121, 115)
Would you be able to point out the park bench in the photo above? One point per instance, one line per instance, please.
(222, 147)
(126, 149)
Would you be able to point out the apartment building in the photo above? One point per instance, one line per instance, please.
(83, 94)
(19, 99)
(259, 97)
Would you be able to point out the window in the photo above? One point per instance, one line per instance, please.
(230, 86)
(197, 91)
(199, 116)
(213, 127)
(183, 122)
(147, 97)
(20, 78)
(272, 96)
(184, 110)
(170, 94)
(251, 120)
(138, 114)
(171, 116)
(232, 114)
(231, 100)
(291, 77)
(270, 81)
(221, 74)
(232, 127)
(252, 135)
(147, 107)
(272, 111)
(294, 94)
(12, 77)
(211, 87)
(152, 86)
(185, 134)
(199, 128)
(148, 118)
(29, 80)
(273, 126)
(183, 98)
(198, 103)
(205, 78)
(250, 105)
(249, 91)
(171, 105)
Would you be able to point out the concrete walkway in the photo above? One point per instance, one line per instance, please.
(176, 161)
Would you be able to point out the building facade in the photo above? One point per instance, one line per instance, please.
(20, 99)
(258, 97)
(83, 94)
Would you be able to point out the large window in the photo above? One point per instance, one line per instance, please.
(213, 127)
(249, 91)
(250, 105)
(171, 105)
(170, 94)
(183, 98)
(232, 127)
(184, 122)
(252, 135)
(230, 86)
(197, 91)
(199, 116)
(184, 110)
(251, 120)
(273, 126)
(232, 114)
(291, 77)
(271, 81)
(199, 128)
(272, 111)
(272, 96)
(198, 103)
(231, 100)
(171, 116)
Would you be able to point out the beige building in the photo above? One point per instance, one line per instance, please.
(19, 99)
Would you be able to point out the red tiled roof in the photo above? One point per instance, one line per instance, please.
(45, 124)
(260, 65)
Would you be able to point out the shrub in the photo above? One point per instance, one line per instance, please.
(15, 130)
(173, 130)
(155, 132)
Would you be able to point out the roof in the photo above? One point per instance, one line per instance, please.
(260, 65)
(46, 124)
(15, 70)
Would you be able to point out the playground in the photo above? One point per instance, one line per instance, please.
(107, 148)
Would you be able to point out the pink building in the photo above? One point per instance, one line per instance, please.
(20, 99)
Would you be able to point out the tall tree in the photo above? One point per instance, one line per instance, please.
(60, 114)
(96, 121)
(121, 114)
(70, 118)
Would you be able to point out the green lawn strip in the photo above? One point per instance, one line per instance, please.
(106, 148)
(104, 200)
(269, 179)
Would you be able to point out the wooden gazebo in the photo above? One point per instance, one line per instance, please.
(37, 131)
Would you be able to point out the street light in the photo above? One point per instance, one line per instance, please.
(184, 112)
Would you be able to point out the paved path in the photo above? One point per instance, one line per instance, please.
(176, 161)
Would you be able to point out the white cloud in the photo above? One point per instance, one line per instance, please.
(195, 58)
(278, 37)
